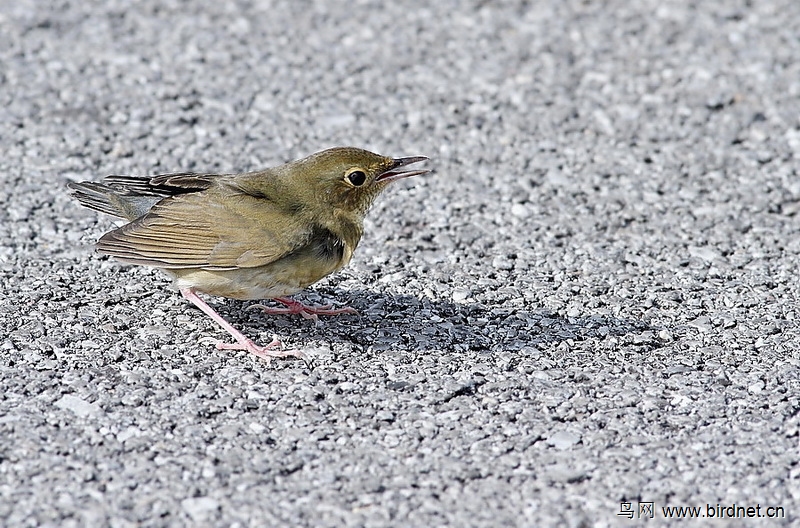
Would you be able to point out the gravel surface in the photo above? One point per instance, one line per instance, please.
(593, 300)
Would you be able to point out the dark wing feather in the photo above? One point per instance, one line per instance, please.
(161, 185)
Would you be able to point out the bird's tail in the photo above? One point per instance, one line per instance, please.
(130, 197)
(116, 202)
(98, 197)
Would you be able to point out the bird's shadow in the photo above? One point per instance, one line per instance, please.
(387, 321)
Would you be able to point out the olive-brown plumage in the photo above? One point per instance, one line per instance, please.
(257, 235)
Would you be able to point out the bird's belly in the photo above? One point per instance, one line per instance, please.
(278, 279)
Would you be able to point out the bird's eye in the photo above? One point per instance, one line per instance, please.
(357, 178)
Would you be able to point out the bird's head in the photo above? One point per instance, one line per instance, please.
(349, 178)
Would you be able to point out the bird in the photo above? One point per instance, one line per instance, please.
(265, 234)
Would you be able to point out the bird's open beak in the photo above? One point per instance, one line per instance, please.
(394, 174)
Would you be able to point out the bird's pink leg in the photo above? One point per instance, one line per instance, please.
(242, 342)
(307, 311)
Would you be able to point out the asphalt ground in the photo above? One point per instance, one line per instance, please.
(591, 302)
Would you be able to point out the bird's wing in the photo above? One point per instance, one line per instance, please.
(208, 230)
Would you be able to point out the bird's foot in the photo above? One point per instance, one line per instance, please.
(306, 310)
(266, 352)
(242, 342)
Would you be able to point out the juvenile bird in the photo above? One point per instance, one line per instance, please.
(257, 235)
